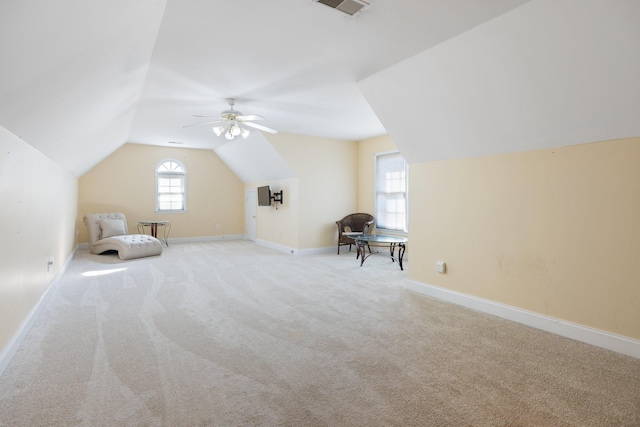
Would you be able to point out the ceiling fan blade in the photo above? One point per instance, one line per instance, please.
(205, 123)
(197, 115)
(250, 117)
(260, 127)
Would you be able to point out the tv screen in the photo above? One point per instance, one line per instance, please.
(264, 196)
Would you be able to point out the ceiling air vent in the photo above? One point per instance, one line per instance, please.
(350, 7)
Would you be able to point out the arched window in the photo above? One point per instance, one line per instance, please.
(171, 186)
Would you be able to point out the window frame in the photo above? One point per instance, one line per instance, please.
(376, 191)
(171, 173)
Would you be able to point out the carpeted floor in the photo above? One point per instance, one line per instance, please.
(234, 334)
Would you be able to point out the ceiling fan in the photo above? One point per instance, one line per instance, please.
(233, 123)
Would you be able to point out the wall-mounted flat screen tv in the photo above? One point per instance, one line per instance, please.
(264, 196)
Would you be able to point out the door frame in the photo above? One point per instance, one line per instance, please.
(251, 213)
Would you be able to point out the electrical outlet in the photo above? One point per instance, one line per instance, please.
(441, 267)
(217, 226)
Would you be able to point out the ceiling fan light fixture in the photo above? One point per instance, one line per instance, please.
(231, 120)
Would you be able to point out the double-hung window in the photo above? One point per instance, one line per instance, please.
(171, 187)
(391, 192)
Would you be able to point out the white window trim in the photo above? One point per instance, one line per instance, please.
(184, 183)
(402, 233)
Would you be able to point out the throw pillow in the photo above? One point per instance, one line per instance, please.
(112, 227)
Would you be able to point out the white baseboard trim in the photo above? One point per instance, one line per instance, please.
(297, 252)
(191, 239)
(334, 250)
(596, 337)
(317, 251)
(206, 238)
(276, 246)
(15, 342)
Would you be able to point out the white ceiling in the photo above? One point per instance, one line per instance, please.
(79, 79)
(548, 74)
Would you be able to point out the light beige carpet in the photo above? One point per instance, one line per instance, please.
(234, 334)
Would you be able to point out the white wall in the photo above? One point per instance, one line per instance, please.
(39, 202)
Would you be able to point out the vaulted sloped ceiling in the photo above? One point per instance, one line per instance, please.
(547, 74)
(80, 78)
(72, 74)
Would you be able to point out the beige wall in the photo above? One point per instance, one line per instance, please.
(552, 231)
(125, 182)
(326, 171)
(367, 150)
(38, 215)
(278, 224)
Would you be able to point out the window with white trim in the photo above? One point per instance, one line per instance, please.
(171, 186)
(391, 192)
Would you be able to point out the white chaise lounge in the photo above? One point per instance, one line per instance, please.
(108, 232)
